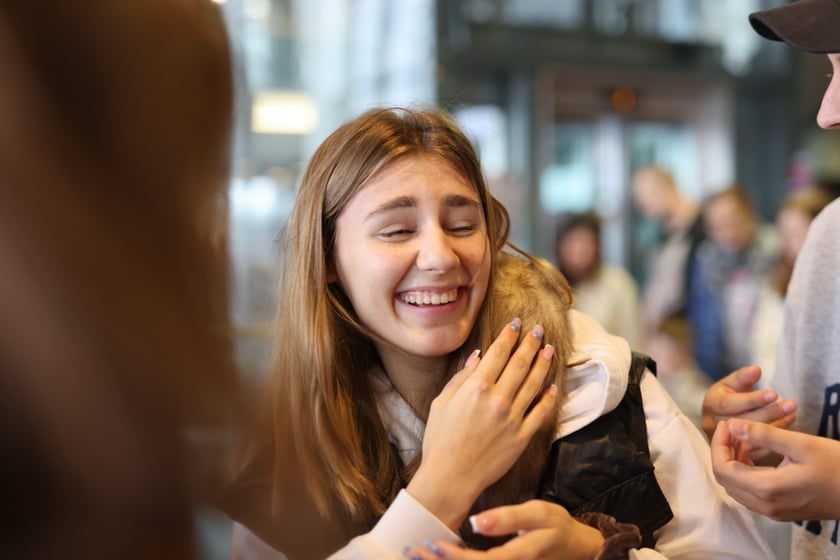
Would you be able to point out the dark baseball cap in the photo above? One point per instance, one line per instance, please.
(811, 25)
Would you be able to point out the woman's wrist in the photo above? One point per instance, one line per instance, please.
(450, 506)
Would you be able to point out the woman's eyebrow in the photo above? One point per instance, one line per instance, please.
(452, 201)
(395, 204)
(457, 200)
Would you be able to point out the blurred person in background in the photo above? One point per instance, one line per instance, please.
(791, 475)
(658, 198)
(606, 292)
(114, 359)
(725, 277)
(671, 348)
(792, 221)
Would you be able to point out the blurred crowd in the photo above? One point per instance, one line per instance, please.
(715, 279)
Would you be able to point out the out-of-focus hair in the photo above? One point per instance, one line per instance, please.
(808, 202)
(737, 193)
(114, 144)
(657, 174)
(675, 327)
(574, 221)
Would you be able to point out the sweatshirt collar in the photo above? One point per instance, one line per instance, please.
(597, 384)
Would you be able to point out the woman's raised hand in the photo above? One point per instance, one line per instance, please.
(481, 422)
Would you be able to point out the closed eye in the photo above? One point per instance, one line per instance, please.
(463, 229)
(396, 233)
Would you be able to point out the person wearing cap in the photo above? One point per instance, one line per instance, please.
(790, 475)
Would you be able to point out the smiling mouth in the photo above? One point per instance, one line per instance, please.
(430, 298)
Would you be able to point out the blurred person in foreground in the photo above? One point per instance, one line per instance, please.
(114, 136)
(801, 482)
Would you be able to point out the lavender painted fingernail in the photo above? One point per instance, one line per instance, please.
(539, 332)
(516, 324)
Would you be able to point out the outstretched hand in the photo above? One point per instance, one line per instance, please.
(735, 396)
(545, 530)
(803, 486)
(481, 423)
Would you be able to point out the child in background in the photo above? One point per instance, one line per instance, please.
(671, 347)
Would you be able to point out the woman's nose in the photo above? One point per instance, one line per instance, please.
(436, 251)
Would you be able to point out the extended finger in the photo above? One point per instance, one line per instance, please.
(530, 545)
(721, 447)
(537, 416)
(771, 413)
(519, 365)
(743, 379)
(784, 422)
(784, 442)
(528, 516)
(730, 403)
(536, 381)
(497, 355)
(461, 376)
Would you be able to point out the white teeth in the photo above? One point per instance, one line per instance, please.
(430, 298)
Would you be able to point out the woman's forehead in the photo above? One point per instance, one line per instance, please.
(414, 165)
